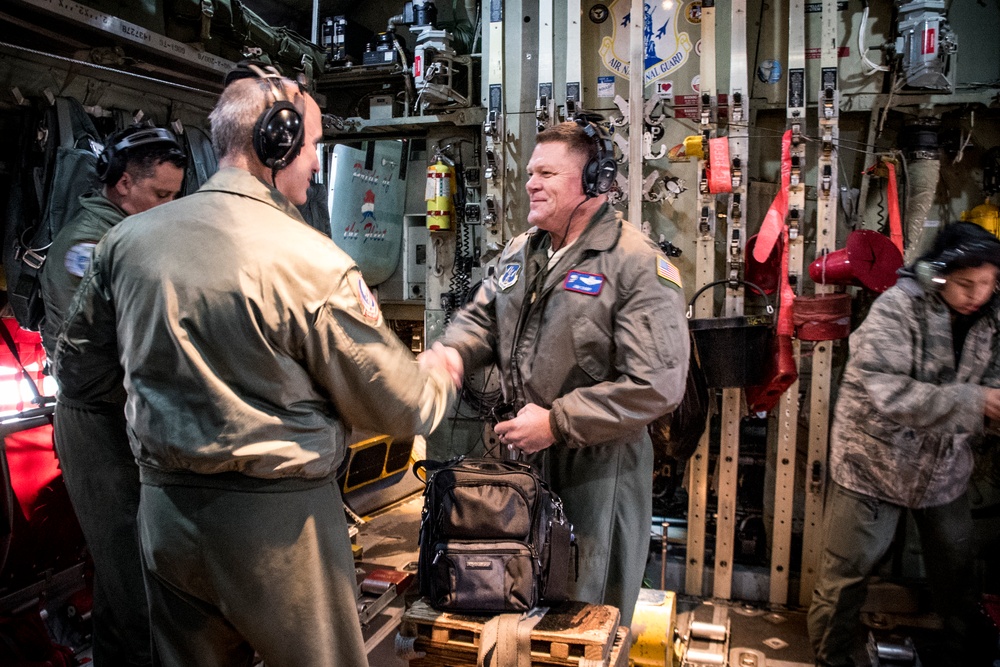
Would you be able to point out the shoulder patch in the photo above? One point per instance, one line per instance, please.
(77, 259)
(509, 276)
(667, 272)
(369, 306)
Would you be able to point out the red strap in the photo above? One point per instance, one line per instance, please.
(774, 220)
(895, 224)
(786, 325)
(719, 180)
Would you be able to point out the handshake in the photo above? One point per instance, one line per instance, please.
(446, 358)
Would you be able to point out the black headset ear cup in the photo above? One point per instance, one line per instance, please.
(929, 275)
(104, 165)
(600, 171)
(278, 135)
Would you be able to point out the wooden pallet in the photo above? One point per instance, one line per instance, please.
(568, 634)
(617, 658)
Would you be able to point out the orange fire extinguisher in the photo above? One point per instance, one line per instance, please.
(440, 186)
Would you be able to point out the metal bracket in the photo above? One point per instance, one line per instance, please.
(623, 107)
(647, 147)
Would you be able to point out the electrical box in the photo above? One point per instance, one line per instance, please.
(416, 239)
(343, 40)
(380, 106)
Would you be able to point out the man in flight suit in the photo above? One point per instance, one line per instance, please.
(249, 347)
(585, 318)
(141, 167)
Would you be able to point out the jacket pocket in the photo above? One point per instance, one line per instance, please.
(594, 349)
(663, 339)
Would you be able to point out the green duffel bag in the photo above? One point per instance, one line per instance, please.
(257, 34)
(299, 54)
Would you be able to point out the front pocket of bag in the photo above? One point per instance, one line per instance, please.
(500, 507)
(488, 577)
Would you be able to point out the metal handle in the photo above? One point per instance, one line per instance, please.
(690, 309)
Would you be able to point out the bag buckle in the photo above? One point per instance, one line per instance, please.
(33, 259)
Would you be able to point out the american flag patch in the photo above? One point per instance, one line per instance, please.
(668, 271)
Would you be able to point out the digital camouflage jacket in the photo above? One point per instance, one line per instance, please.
(906, 419)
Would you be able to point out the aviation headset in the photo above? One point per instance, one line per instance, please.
(979, 248)
(279, 132)
(600, 171)
(114, 158)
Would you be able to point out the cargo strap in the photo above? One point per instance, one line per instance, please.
(506, 639)
(12, 346)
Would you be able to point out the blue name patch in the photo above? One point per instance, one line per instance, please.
(584, 283)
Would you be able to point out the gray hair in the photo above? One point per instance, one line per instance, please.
(235, 114)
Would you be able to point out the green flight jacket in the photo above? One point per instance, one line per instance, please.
(248, 341)
(69, 257)
(605, 347)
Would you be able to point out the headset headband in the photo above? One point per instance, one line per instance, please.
(112, 161)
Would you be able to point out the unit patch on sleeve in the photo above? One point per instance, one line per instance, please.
(668, 272)
(509, 276)
(369, 307)
(584, 283)
(77, 259)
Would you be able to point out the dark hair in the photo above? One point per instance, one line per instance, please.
(963, 245)
(142, 160)
(571, 134)
(144, 163)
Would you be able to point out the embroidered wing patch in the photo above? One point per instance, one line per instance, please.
(584, 283)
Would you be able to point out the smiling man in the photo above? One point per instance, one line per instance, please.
(585, 318)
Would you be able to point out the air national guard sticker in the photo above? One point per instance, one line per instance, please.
(584, 283)
(668, 272)
(509, 276)
(369, 307)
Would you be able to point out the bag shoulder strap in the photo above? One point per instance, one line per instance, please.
(506, 639)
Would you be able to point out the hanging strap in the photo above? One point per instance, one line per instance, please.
(895, 223)
(786, 326)
(12, 346)
(506, 639)
(774, 220)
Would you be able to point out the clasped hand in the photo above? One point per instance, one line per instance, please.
(444, 357)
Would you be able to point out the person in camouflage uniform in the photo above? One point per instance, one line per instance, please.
(919, 381)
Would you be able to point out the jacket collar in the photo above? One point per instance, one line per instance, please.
(96, 203)
(600, 234)
(233, 180)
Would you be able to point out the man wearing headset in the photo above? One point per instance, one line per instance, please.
(919, 384)
(249, 346)
(585, 319)
(140, 167)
